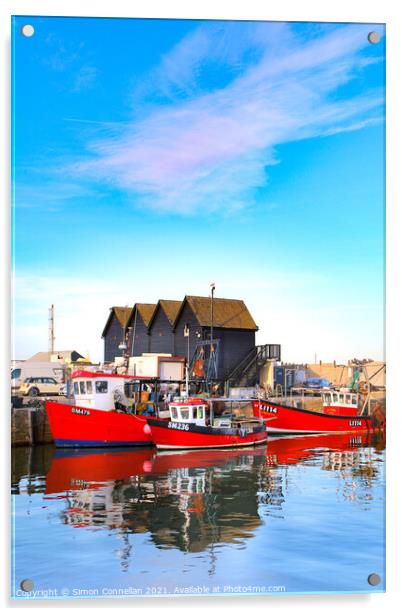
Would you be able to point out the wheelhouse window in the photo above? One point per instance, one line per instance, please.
(82, 387)
(89, 387)
(354, 399)
(173, 410)
(341, 398)
(76, 388)
(200, 412)
(185, 412)
(101, 387)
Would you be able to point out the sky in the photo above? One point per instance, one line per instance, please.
(152, 157)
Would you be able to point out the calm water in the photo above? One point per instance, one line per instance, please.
(304, 514)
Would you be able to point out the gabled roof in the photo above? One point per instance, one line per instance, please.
(228, 313)
(170, 307)
(122, 314)
(145, 310)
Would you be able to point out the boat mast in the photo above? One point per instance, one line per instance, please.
(212, 332)
(186, 334)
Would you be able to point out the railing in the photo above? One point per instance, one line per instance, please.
(254, 360)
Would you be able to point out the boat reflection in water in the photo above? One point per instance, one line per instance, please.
(192, 499)
(186, 500)
(302, 512)
(339, 447)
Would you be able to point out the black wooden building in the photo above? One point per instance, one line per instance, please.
(232, 326)
(161, 326)
(184, 328)
(115, 331)
(138, 329)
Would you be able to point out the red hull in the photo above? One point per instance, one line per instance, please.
(83, 469)
(290, 420)
(188, 436)
(80, 470)
(76, 426)
(292, 450)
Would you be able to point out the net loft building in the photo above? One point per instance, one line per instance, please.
(184, 328)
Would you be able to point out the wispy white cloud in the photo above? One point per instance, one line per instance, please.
(49, 195)
(85, 78)
(208, 149)
(71, 59)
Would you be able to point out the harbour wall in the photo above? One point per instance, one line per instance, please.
(30, 426)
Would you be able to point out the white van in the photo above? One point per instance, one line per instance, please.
(22, 370)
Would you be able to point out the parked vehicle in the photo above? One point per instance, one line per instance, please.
(40, 385)
(316, 383)
(23, 370)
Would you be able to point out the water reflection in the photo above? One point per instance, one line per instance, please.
(199, 503)
(189, 500)
(185, 500)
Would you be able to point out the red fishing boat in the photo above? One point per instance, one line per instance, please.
(196, 423)
(340, 413)
(101, 415)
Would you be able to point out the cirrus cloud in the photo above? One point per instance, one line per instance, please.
(203, 145)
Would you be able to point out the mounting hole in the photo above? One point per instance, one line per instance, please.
(374, 579)
(27, 585)
(374, 37)
(27, 30)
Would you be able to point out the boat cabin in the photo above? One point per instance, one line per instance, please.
(193, 410)
(109, 392)
(97, 390)
(215, 412)
(341, 401)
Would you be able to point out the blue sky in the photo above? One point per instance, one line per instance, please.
(154, 156)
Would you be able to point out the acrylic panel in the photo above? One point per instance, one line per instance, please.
(198, 368)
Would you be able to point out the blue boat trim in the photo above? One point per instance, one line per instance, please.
(61, 442)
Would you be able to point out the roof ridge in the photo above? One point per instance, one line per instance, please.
(227, 299)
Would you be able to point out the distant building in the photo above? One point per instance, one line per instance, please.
(56, 356)
(115, 331)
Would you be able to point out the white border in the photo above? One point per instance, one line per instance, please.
(292, 10)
